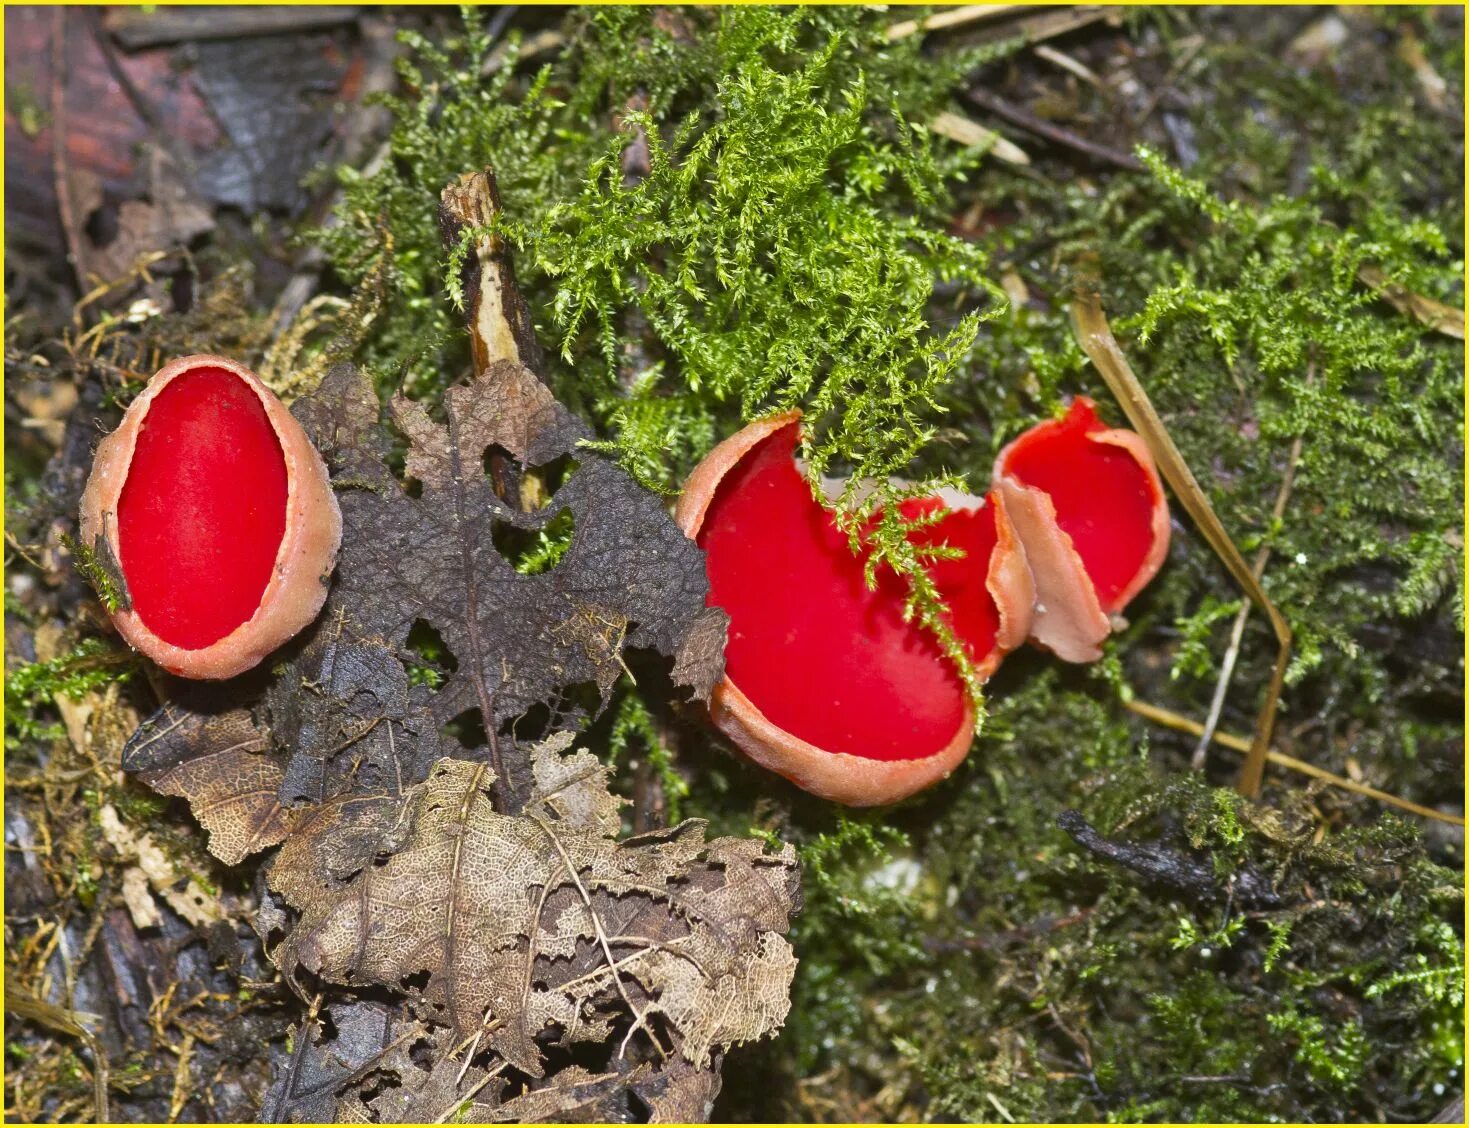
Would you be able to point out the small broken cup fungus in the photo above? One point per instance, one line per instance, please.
(1089, 508)
(825, 681)
(216, 511)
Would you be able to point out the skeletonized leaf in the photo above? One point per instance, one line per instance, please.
(520, 922)
(221, 764)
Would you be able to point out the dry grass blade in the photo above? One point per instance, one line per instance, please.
(958, 128)
(1040, 22)
(24, 1005)
(949, 17)
(1179, 723)
(1262, 558)
(1443, 318)
(1096, 339)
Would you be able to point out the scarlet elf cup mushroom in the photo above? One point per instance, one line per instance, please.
(825, 681)
(1088, 505)
(218, 513)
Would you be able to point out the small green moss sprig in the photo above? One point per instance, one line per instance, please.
(632, 727)
(105, 580)
(32, 687)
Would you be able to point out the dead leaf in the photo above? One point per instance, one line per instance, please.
(171, 216)
(680, 1094)
(522, 922)
(329, 1053)
(425, 553)
(431, 854)
(219, 762)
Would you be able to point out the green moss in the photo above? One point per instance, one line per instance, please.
(104, 579)
(31, 688)
(633, 729)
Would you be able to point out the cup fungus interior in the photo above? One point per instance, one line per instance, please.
(820, 655)
(1104, 499)
(962, 581)
(202, 512)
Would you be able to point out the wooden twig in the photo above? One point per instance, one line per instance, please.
(538, 44)
(59, 162)
(949, 17)
(1096, 339)
(1179, 723)
(1072, 66)
(958, 128)
(141, 27)
(1028, 121)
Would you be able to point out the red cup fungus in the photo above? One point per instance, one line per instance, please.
(219, 514)
(825, 681)
(1089, 508)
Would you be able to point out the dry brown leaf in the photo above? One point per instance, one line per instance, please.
(521, 922)
(219, 763)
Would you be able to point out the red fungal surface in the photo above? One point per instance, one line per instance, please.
(962, 581)
(203, 510)
(821, 656)
(1105, 500)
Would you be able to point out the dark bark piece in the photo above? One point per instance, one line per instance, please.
(1192, 877)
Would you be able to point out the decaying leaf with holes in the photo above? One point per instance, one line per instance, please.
(515, 927)
(331, 1051)
(431, 555)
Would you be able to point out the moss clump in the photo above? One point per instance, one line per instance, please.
(31, 688)
(1008, 970)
